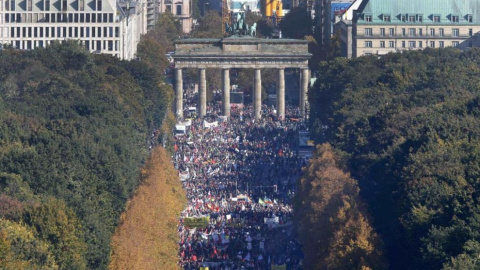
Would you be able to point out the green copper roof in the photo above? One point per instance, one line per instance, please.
(448, 10)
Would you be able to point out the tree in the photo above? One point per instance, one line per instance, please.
(332, 222)
(147, 236)
(297, 24)
(409, 129)
(209, 26)
(57, 225)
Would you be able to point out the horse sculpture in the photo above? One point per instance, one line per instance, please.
(240, 27)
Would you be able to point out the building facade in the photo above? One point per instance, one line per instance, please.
(153, 8)
(103, 26)
(377, 27)
(182, 10)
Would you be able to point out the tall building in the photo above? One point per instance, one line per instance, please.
(182, 10)
(153, 7)
(382, 26)
(103, 26)
(325, 11)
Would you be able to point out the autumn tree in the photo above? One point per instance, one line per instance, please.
(333, 225)
(147, 235)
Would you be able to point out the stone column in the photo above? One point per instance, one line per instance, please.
(257, 101)
(178, 93)
(281, 94)
(226, 92)
(202, 92)
(303, 92)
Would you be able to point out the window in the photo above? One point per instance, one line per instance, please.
(432, 44)
(441, 32)
(368, 32)
(168, 8)
(391, 44)
(441, 44)
(404, 32)
(470, 18)
(420, 44)
(382, 44)
(368, 18)
(432, 32)
(420, 31)
(455, 43)
(386, 18)
(368, 44)
(411, 44)
(412, 32)
(419, 18)
(403, 44)
(382, 32)
(455, 18)
(403, 18)
(179, 10)
(392, 32)
(411, 18)
(455, 32)
(436, 18)
(470, 32)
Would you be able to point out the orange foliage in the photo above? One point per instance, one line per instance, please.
(147, 235)
(333, 224)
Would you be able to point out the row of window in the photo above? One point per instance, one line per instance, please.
(94, 45)
(46, 5)
(412, 32)
(411, 44)
(412, 18)
(60, 32)
(57, 18)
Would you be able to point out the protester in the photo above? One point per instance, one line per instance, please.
(240, 177)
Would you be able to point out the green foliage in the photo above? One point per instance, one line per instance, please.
(57, 224)
(24, 247)
(297, 24)
(209, 26)
(75, 126)
(410, 126)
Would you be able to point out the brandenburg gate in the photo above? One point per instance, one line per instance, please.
(241, 52)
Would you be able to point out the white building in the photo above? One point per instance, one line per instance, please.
(103, 26)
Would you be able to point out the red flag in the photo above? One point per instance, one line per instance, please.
(175, 147)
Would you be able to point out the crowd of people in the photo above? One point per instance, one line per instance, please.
(239, 176)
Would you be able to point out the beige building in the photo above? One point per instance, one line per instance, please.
(103, 26)
(376, 27)
(181, 9)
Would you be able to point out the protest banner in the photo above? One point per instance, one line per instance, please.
(196, 222)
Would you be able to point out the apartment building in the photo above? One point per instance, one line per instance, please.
(103, 26)
(182, 10)
(376, 27)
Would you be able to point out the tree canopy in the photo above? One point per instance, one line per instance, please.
(74, 131)
(408, 124)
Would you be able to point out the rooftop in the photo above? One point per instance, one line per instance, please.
(419, 12)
